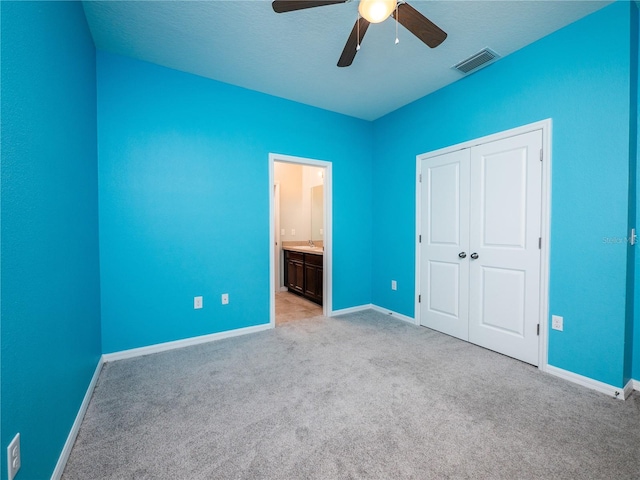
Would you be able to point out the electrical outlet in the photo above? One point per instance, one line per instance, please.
(225, 299)
(557, 322)
(394, 285)
(13, 456)
(197, 302)
(293, 232)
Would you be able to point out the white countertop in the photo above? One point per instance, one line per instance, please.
(304, 249)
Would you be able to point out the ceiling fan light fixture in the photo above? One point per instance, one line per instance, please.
(376, 11)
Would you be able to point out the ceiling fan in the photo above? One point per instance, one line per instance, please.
(373, 11)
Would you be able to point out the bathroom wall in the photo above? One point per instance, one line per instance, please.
(311, 177)
(296, 182)
(293, 217)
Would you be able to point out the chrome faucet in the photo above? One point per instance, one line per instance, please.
(311, 244)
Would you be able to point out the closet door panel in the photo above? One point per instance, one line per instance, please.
(445, 243)
(505, 211)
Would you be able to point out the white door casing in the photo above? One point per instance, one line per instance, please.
(277, 247)
(327, 273)
(485, 201)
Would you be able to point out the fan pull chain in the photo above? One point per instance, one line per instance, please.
(397, 39)
(358, 32)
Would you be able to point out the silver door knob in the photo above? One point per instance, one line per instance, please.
(474, 255)
(462, 254)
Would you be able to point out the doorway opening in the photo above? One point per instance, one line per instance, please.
(300, 228)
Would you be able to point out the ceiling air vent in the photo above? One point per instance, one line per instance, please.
(474, 62)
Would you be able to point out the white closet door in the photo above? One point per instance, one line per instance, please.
(444, 251)
(505, 216)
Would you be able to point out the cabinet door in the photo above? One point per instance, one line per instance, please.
(310, 280)
(297, 272)
(291, 274)
(300, 277)
(294, 275)
(313, 277)
(319, 284)
(285, 268)
(313, 283)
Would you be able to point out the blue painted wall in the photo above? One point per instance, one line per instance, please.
(184, 200)
(636, 325)
(50, 342)
(632, 215)
(182, 179)
(582, 82)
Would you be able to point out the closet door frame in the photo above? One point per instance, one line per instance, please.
(545, 127)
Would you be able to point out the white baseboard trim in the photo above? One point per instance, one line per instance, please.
(187, 342)
(635, 384)
(371, 306)
(344, 311)
(75, 428)
(605, 388)
(397, 315)
(628, 389)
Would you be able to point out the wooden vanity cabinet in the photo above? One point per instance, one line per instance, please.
(303, 274)
(294, 271)
(313, 277)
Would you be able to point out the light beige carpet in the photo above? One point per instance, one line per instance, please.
(359, 396)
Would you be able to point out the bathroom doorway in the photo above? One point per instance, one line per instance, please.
(300, 238)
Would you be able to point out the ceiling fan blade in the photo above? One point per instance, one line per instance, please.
(349, 52)
(282, 6)
(419, 25)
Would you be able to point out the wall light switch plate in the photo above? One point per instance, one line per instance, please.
(197, 302)
(225, 299)
(283, 231)
(293, 232)
(557, 322)
(13, 457)
(394, 285)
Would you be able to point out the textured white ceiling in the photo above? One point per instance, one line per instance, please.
(293, 55)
